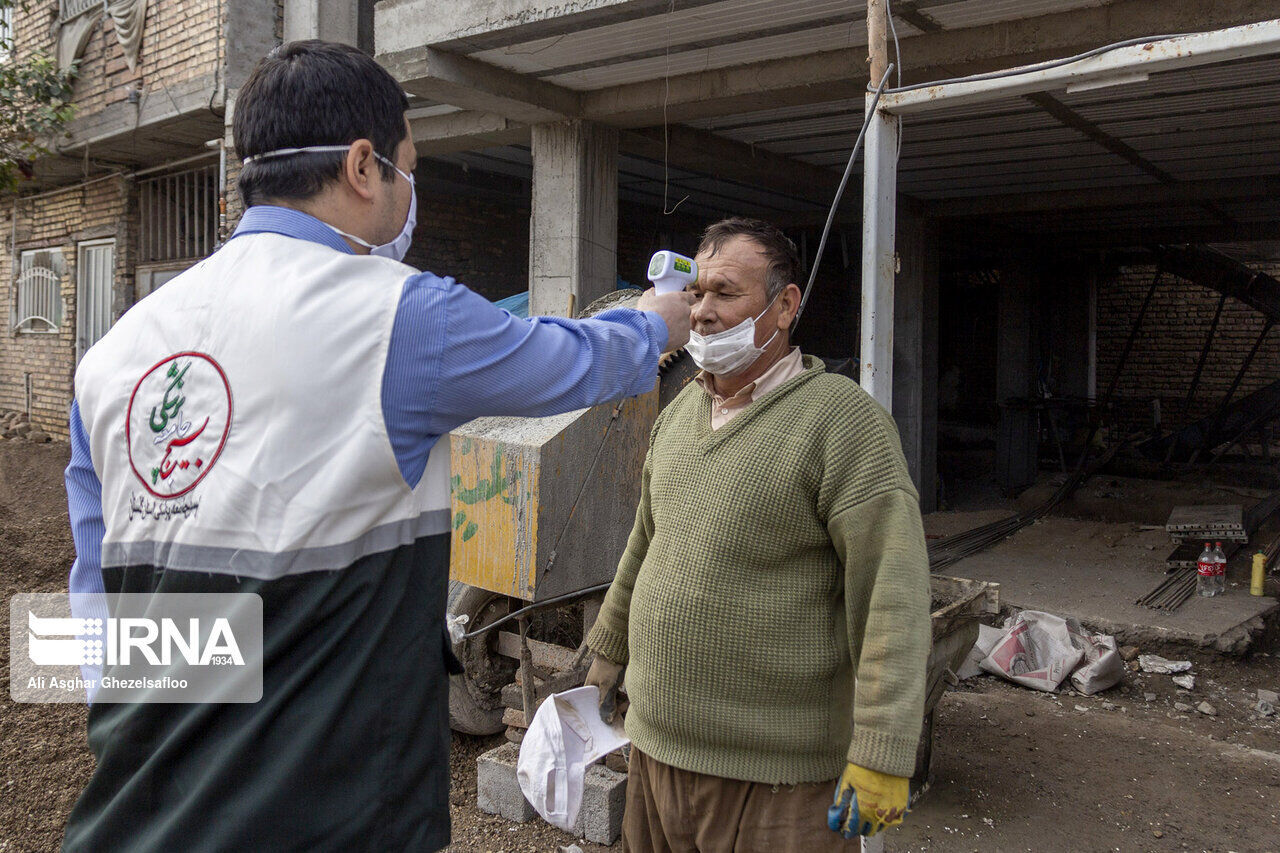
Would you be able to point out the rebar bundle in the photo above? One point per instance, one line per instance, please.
(953, 549)
(1179, 586)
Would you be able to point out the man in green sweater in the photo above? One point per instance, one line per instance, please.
(771, 611)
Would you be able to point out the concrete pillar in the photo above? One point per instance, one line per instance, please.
(573, 227)
(331, 20)
(1017, 437)
(1069, 321)
(915, 353)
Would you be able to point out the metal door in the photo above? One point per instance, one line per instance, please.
(95, 277)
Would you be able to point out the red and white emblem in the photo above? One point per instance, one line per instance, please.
(177, 423)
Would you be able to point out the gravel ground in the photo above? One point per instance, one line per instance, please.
(1014, 770)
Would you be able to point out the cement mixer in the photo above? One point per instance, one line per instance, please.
(542, 508)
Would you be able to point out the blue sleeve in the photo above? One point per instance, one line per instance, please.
(455, 356)
(84, 505)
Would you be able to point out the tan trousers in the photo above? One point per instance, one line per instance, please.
(670, 810)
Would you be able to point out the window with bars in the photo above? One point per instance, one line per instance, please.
(38, 303)
(179, 215)
(95, 285)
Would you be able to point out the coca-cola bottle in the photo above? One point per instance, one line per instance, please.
(1220, 556)
(1207, 573)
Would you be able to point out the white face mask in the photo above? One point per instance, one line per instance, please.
(731, 351)
(397, 248)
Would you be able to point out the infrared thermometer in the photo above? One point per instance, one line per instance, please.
(671, 273)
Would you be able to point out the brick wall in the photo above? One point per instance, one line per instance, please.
(180, 42)
(482, 242)
(1166, 350)
(90, 211)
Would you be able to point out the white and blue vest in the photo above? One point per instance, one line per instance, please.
(235, 417)
(236, 426)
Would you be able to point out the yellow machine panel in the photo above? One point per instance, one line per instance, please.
(543, 506)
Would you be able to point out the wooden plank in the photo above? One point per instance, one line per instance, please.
(1206, 517)
(546, 655)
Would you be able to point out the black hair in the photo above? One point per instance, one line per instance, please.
(313, 93)
(784, 261)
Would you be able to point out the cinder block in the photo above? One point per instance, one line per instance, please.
(497, 789)
(604, 794)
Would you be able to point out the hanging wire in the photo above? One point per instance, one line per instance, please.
(897, 49)
(666, 133)
(835, 203)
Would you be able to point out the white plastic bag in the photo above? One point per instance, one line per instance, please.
(987, 639)
(1101, 666)
(1036, 651)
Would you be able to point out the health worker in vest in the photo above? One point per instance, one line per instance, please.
(301, 379)
(771, 609)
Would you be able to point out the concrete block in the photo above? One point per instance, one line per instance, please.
(497, 789)
(604, 793)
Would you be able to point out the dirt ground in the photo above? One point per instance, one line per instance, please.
(1014, 770)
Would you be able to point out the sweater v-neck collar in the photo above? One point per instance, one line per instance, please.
(708, 438)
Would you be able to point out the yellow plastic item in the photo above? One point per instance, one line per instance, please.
(1259, 573)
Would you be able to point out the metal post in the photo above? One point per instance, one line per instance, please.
(879, 262)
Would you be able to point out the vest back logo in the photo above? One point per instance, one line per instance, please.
(177, 423)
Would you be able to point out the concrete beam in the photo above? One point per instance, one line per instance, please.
(405, 27)
(473, 25)
(250, 34)
(728, 159)
(331, 20)
(166, 123)
(1017, 436)
(814, 78)
(915, 354)
(1102, 197)
(465, 130)
(573, 224)
(832, 75)
(453, 79)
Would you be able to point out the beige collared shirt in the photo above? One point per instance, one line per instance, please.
(724, 409)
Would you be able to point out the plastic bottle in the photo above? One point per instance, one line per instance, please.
(1221, 557)
(1259, 573)
(1206, 573)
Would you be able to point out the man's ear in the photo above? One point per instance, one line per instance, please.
(789, 299)
(360, 169)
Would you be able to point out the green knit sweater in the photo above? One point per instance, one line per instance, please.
(772, 605)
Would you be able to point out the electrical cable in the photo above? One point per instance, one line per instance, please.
(835, 204)
(897, 49)
(1039, 66)
(516, 614)
(897, 57)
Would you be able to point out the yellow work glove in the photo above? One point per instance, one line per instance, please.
(867, 801)
(607, 675)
